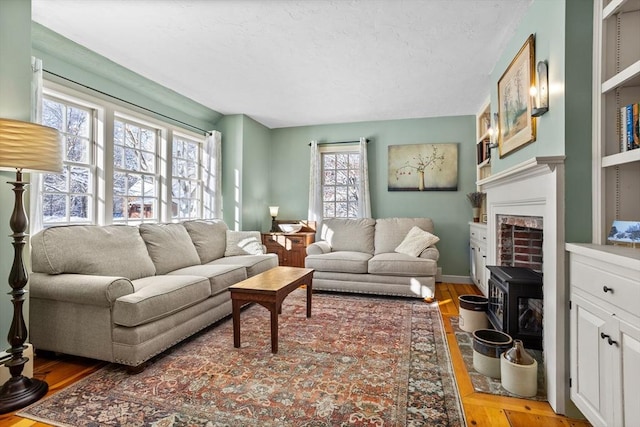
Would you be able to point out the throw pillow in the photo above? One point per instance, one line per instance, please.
(416, 241)
(243, 243)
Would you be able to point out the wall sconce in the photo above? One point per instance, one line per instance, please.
(273, 211)
(540, 92)
(493, 133)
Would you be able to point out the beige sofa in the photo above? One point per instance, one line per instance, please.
(124, 293)
(365, 255)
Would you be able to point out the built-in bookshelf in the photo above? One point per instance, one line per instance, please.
(616, 78)
(483, 142)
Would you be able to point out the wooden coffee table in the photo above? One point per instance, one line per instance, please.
(269, 289)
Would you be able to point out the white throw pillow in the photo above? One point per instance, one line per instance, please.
(243, 243)
(416, 241)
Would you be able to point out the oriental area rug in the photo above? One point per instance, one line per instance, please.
(358, 361)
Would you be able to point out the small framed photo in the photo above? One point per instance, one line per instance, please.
(625, 233)
(484, 218)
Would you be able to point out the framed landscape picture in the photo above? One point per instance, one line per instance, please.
(516, 126)
(625, 233)
(423, 167)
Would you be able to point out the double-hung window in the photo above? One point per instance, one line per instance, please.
(186, 182)
(135, 179)
(69, 197)
(340, 181)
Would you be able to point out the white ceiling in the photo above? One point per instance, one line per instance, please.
(295, 62)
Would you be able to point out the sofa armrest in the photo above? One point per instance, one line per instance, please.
(431, 253)
(318, 248)
(84, 289)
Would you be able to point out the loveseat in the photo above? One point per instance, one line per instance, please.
(123, 293)
(389, 256)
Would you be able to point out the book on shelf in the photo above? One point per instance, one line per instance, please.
(629, 127)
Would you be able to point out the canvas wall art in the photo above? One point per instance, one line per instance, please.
(423, 167)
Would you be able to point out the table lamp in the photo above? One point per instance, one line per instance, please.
(273, 211)
(31, 147)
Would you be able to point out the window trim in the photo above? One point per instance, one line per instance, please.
(107, 110)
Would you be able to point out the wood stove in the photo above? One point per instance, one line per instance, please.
(516, 304)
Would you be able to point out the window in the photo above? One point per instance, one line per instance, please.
(340, 171)
(186, 184)
(135, 190)
(120, 166)
(68, 197)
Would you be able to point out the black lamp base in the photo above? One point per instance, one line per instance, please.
(21, 391)
(274, 225)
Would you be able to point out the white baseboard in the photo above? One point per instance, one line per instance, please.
(466, 280)
(28, 367)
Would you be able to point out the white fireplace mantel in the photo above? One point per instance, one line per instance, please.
(530, 168)
(536, 188)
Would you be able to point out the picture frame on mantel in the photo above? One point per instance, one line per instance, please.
(516, 126)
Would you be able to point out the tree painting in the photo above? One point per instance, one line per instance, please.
(626, 232)
(423, 167)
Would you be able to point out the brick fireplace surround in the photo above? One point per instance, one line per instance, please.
(534, 189)
(520, 241)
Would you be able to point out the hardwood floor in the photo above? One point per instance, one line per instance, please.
(480, 409)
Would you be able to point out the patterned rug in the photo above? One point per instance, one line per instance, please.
(358, 361)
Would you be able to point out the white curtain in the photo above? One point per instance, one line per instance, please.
(364, 198)
(315, 186)
(35, 201)
(212, 175)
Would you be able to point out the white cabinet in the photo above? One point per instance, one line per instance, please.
(478, 248)
(605, 334)
(616, 78)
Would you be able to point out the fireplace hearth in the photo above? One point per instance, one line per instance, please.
(516, 303)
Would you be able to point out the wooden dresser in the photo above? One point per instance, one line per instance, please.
(291, 248)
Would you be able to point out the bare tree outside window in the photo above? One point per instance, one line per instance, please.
(186, 183)
(135, 192)
(340, 184)
(69, 197)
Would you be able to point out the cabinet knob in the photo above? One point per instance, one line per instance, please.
(607, 289)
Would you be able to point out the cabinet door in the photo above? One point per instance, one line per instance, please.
(482, 273)
(630, 374)
(297, 251)
(473, 248)
(592, 375)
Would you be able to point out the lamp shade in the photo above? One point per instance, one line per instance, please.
(30, 146)
(273, 211)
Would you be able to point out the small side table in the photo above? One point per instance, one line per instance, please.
(290, 248)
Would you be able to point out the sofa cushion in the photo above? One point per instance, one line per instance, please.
(243, 243)
(395, 264)
(112, 250)
(254, 264)
(169, 246)
(159, 296)
(354, 235)
(220, 276)
(342, 261)
(416, 241)
(209, 237)
(389, 232)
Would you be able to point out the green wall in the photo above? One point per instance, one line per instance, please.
(72, 61)
(450, 210)
(15, 103)
(245, 172)
(563, 33)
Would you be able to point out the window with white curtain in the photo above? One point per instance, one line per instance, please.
(340, 181)
(120, 166)
(68, 198)
(186, 182)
